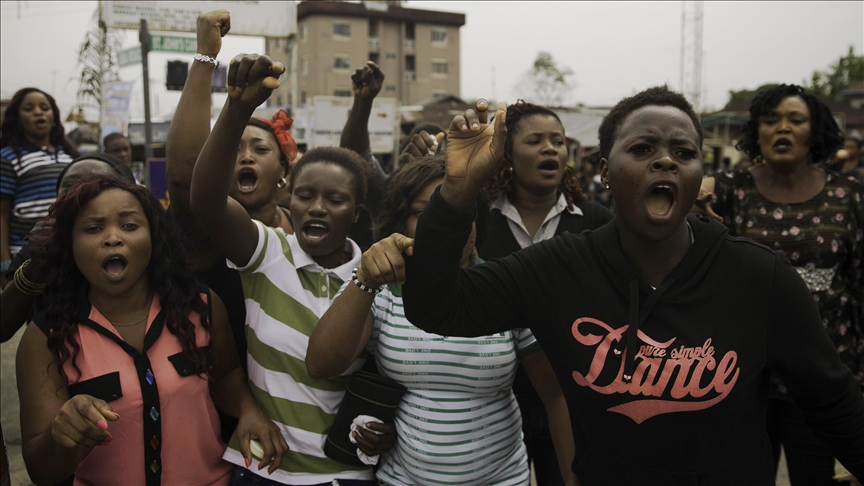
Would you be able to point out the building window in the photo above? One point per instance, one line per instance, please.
(373, 28)
(439, 93)
(303, 97)
(439, 68)
(390, 89)
(304, 65)
(304, 32)
(341, 29)
(375, 57)
(410, 68)
(439, 37)
(341, 62)
(391, 56)
(346, 92)
(278, 41)
(409, 30)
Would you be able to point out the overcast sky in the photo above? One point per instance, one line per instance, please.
(614, 48)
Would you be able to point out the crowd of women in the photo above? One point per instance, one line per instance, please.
(213, 343)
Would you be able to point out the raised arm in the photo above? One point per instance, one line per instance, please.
(438, 296)
(344, 330)
(251, 79)
(190, 125)
(366, 83)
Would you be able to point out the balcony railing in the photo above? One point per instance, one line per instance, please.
(410, 44)
(410, 75)
(374, 44)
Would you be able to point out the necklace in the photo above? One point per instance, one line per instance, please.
(139, 321)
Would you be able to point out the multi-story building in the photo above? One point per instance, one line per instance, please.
(418, 50)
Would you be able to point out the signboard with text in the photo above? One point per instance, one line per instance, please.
(115, 107)
(248, 17)
(158, 43)
(329, 114)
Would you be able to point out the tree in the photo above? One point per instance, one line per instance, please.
(545, 83)
(97, 58)
(842, 74)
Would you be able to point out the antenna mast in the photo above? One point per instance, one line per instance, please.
(690, 84)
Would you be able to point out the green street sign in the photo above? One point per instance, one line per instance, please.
(170, 43)
(130, 56)
(159, 43)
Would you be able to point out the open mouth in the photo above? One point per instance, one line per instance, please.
(114, 266)
(549, 167)
(315, 230)
(782, 145)
(247, 180)
(660, 200)
(41, 122)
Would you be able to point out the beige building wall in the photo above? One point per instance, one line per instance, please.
(319, 73)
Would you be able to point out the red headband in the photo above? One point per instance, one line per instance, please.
(281, 125)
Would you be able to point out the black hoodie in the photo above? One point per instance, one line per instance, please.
(698, 348)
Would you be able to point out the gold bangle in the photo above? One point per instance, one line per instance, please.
(23, 284)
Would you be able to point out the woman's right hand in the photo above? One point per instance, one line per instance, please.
(82, 422)
(475, 149)
(383, 262)
(252, 78)
(212, 27)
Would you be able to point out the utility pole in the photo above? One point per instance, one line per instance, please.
(144, 38)
(692, 16)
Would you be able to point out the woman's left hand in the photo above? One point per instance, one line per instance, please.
(254, 424)
(372, 443)
(383, 262)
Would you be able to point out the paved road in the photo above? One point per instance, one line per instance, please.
(12, 428)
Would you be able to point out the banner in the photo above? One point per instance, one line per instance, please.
(115, 108)
(249, 17)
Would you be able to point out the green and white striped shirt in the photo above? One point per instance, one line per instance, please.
(458, 423)
(286, 293)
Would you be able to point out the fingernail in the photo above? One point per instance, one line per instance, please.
(107, 440)
(464, 127)
(102, 424)
(475, 125)
(248, 462)
(117, 414)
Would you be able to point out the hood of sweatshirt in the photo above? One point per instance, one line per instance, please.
(708, 238)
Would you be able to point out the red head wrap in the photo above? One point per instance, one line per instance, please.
(281, 126)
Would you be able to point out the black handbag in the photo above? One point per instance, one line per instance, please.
(368, 394)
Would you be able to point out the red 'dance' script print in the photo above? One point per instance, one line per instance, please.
(652, 377)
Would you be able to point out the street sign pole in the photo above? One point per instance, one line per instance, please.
(144, 38)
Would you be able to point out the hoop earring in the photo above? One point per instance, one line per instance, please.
(282, 183)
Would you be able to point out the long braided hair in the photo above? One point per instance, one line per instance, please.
(503, 179)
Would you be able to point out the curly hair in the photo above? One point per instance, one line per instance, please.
(347, 159)
(654, 96)
(11, 134)
(825, 135)
(404, 185)
(168, 272)
(502, 180)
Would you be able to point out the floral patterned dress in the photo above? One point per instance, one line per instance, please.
(821, 237)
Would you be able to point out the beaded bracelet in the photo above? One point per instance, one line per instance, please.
(23, 284)
(364, 288)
